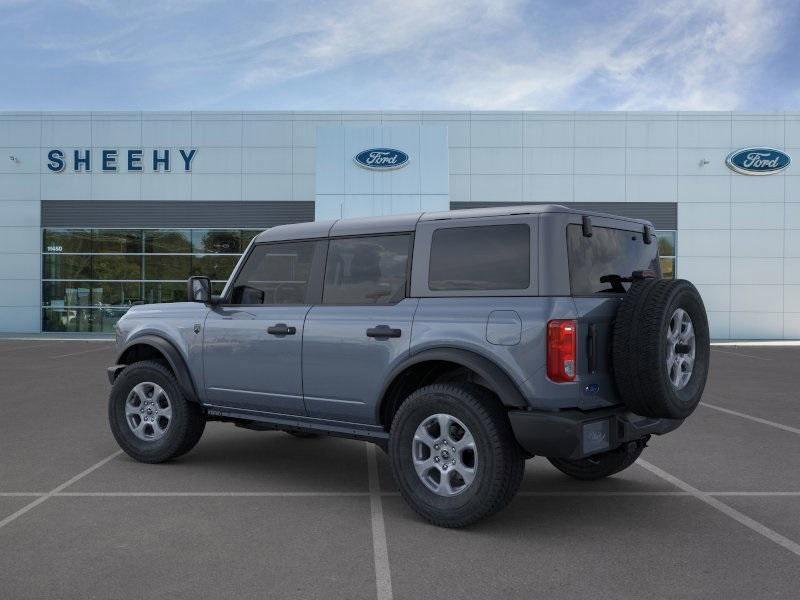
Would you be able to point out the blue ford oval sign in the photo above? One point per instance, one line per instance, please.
(758, 161)
(381, 159)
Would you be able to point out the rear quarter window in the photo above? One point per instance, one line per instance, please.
(607, 252)
(484, 257)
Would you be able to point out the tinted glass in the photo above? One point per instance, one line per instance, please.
(168, 241)
(116, 240)
(275, 274)
(494, 257)
(214, 266)
(57, 266)
(666, 243)
(366, 270)
(167, 267)
(164, 292)
(247, 236)
(607, 252)
(90, 293)
(667, 267)
(226, 241)
(81, 319)
(67, 240)
(116, 267)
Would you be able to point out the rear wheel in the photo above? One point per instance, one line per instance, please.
(454, 455)
(601, 465)
(661, 348)
(149, 416)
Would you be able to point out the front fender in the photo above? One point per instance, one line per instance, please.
(172, 355)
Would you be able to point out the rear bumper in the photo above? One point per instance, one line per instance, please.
(574, 434)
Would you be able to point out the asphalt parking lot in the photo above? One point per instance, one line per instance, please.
(710, 511)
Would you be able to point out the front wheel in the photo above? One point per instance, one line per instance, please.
(601, 465)
(453, 454)
(150, 417)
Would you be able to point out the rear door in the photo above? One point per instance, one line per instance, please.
(361, 329)
(253, 341)
(613, 248)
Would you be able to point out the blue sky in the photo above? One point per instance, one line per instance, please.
(390, 54)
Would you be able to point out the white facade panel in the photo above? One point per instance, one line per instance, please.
(738, 236)
(598, 134)
(761, 132)
(599, 188)
(651, 188)
(545, 133)
(661, 133)
(20, 133)
(704, 188)
(704, 242)
(696, 133)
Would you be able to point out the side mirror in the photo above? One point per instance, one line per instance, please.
(199, 289)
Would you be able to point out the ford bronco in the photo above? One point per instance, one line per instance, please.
(462, 343)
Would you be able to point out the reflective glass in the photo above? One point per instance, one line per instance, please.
(161, 267)
(81, 319)
(117, 267)
(117, 240)
(225, 241)
(366, 270)
(214, 266)
(667, 268)
(164, 292)
(67, 240)
(666, 243)
(161, 241)
(491, 257)
(275, 274)
(247, 236)
(67, 266)
(90, 293)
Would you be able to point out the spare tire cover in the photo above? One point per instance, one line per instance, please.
(661, 348)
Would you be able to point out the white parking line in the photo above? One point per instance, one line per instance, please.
(752, 418)
(742, 354)
(734, 514)
(80, 352)
(383, 578)
(56, 490)
(212, 494)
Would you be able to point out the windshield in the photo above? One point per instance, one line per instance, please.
(608, 252)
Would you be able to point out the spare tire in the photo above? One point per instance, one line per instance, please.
(661, 348)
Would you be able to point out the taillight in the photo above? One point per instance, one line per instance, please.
(561, 349)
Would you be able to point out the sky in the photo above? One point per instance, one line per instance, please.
(400, 55)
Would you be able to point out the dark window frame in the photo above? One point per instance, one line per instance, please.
(477, 290)
(637, 232)
(409, 261)
(314, 289)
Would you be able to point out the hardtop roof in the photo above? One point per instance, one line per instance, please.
(408, 222)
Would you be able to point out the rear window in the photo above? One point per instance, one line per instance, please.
(607, 252)
(490, 257)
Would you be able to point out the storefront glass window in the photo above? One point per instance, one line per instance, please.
(90, 277)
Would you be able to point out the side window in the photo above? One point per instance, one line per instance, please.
(275, 274)
(487, 257)
(366, 270)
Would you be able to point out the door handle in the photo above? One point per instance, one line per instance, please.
(281, 329)
(383, 331)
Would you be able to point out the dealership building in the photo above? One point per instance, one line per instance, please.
(99, 210)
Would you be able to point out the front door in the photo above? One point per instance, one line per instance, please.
(361, 329)
(252, 344)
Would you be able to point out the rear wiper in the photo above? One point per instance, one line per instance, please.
(616, 280)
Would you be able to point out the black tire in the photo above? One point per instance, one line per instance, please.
(498, 472)
(601, 465)
(640, 348)
(185, 427)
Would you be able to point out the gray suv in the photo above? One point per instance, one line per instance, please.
(462, 343)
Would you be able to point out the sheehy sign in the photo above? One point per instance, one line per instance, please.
(111, 161)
